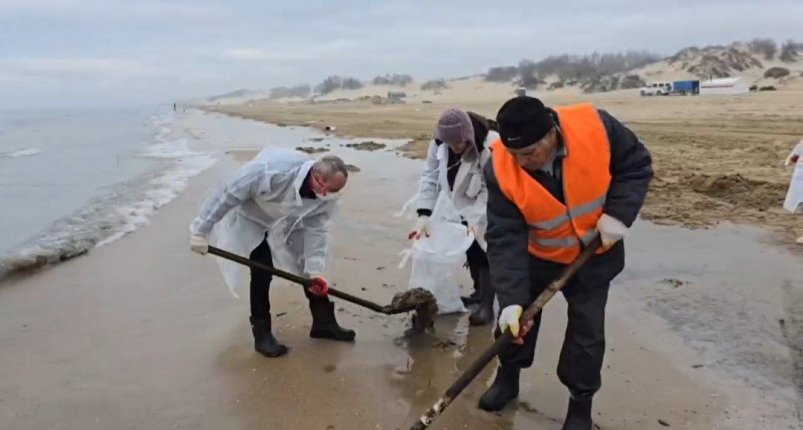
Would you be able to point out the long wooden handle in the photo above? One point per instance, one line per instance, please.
(504, 340)
(306, 282)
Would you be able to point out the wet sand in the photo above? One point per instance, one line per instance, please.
(142, 333)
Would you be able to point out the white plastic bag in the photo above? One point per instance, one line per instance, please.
(438, 259)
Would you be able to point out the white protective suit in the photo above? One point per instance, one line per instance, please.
(794, 196)
(264, 197)
(469, 194)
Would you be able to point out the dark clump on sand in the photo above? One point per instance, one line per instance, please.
(366, 146)
(424, 304)
(413, 298)
(352, 168)
(311, 150)
(672, 282)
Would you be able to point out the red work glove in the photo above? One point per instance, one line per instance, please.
(319, 286)
(525, 328)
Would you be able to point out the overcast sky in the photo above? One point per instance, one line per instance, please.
(56, 53)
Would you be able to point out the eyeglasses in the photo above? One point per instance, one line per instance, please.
(323, 186)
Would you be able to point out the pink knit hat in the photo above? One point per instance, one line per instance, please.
(454, 125)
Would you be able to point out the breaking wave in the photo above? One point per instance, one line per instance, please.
(117, 213)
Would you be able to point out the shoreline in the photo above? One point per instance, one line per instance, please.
(118, 209)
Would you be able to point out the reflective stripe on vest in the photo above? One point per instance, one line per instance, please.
(559, 230)
(565, 242)
(573, 213)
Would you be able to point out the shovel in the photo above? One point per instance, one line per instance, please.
(416, 299)
(503, 341)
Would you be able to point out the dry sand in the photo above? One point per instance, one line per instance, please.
(142, 334)
(717, 158)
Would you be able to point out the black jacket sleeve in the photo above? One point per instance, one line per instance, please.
(506, 235)
(631, 171)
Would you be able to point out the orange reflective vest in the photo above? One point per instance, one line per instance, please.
(557, 230)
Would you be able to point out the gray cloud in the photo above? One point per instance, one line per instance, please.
(89, 52)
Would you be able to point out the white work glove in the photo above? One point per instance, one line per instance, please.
(421, 228)
(509, 319)
(199, 244)
(611, 230)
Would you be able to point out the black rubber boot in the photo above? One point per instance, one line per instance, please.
(504, 389)
(484, 314)
(578, 417)
(264, 342)
(473, 298)
(324, 324)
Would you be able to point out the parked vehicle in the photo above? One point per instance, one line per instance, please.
(689, 87)
(657, 89)
(683, 88)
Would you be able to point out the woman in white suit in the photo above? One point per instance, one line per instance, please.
(454, 164)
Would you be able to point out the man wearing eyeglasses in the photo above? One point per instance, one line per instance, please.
(559, 177)
(277, 209)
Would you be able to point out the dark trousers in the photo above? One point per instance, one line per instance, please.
(583, 348)
(260, 284)
(476, 260)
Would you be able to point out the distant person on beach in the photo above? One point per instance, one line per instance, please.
(277, 208)
(454, 165)
(794, 196)
(174, 107)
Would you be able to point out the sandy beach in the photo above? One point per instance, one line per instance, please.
(141, 333)
(716, 158)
